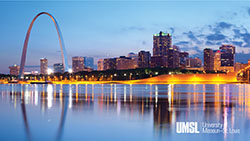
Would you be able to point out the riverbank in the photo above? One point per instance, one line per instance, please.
(229, 78)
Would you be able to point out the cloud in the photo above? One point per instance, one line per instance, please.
(191, 36)
(182, 43)
(223, 25)
(217, 36)
(237, 43)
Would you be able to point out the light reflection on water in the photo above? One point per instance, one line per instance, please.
(120, 112)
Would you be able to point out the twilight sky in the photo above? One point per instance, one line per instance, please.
(110, 28)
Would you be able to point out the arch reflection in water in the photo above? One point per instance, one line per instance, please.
(25, 99)
(155, 107)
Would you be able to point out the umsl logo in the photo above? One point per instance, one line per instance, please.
(187, 127)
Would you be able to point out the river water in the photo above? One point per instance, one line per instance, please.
(124, 112)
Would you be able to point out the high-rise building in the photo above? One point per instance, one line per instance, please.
(162, 42)
(227, 55)
(144, 58)
(208, 59)
(159, 61)
(77, 64)
(58, 68)
(123, 63)
(109, 64)
(217, 60)
(89, 62)
(14, 70)
(183, 58)
(43, 66)
(100, 65)
(173, 55)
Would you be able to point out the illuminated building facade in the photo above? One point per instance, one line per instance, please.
(217, 60)
(164, 51)
(208, 59)
(109, 64)
(123, 63)
(14, 70)
(77, 64)
(100, 65)
(144, 59)
(227, 55)
(58, 68)
(173, 55)
(43, 66)
(161, 43)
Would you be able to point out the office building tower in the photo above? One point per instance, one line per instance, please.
(173, 55)
(161, 43)
(227, 55)
(144, 58)
(208, 59)
(43, 66)
(217, 60)
(14, 70)
(77, 64)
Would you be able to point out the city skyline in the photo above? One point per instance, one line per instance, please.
(133, 36)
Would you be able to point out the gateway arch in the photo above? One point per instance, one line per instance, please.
(63, 50)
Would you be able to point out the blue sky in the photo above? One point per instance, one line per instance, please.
(109, 28)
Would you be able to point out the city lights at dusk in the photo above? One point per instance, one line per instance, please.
(125, 70)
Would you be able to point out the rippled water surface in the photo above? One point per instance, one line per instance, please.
(121, 112)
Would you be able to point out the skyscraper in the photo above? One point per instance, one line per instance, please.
(173, 55)
(77, 64)
(217, 60)
(208, 59)
(162, 42)
(144, 58)
(58, 68)
(227, 55)
(43, 66)
(89, 62)
(14, 70)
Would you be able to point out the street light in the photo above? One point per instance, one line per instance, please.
(70, 71)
